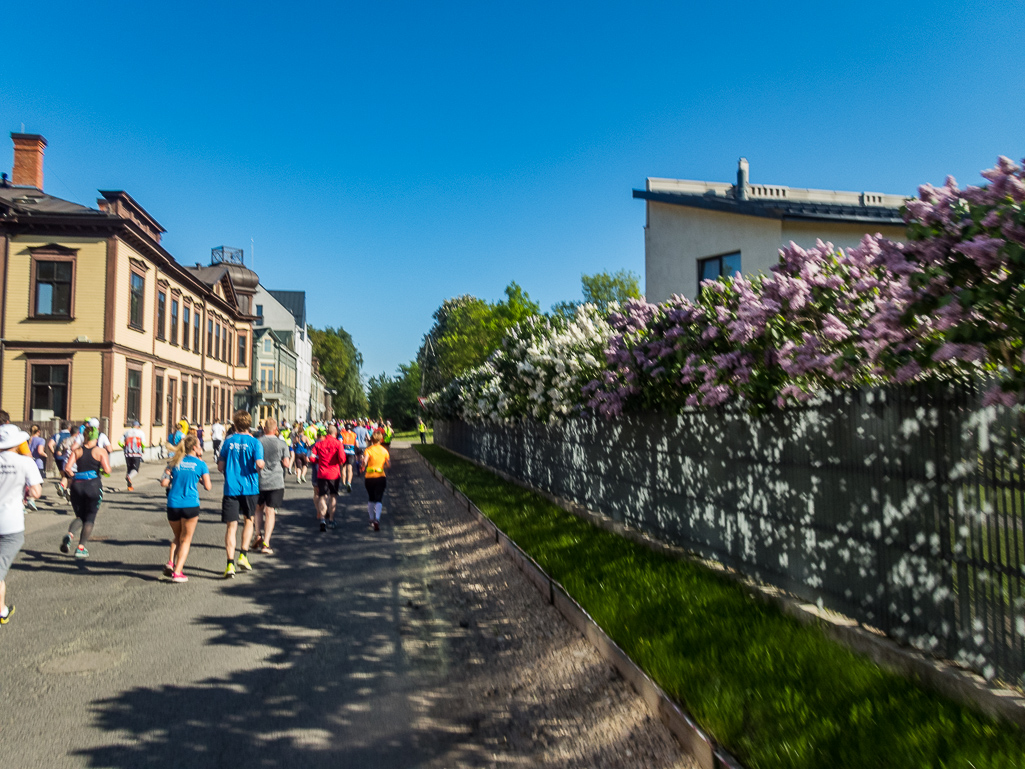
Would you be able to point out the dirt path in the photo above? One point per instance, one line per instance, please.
(516, 684)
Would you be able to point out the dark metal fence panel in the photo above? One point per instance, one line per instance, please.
(900, 507)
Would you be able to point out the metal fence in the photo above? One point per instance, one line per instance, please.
(899, 507)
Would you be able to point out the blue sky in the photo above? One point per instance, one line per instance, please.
(384, 156)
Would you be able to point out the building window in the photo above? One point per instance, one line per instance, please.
(241, 350)
(209, 337)
(174, 322)
(186, 326)
(217, 341)
(172, 400)
(196, 332)
(133, 395)
(268, 345)
(137, 288)
(229, 347)
(195, 401)
(158, 398)
(161, 313)
(49, 388)
(53, 281)
(208, 405)
(715, 267)
(259, 315)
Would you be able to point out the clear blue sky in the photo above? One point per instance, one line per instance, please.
(387, 155)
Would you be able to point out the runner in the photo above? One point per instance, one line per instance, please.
(133, 442)
(376, 460)
(362, 441)
(240, 461)
(329, 456)
(84, 466)
(388, 434)
(301, 455)
(37, 450)
(19, 478)
(181, 432)
(277, 458)
(348, 439)
(423, 432)
(183, 474)
(59, 447)
(216, 436)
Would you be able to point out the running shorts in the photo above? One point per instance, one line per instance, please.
(271, 498)
(10, 544)
(375, 488)
(182, 513)
(327, 486)
(85, 499)
(300, 460)
(217, 448)
(132, 464)
(235, 508)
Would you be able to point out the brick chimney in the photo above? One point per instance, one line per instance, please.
(28, 160)
(743, 172)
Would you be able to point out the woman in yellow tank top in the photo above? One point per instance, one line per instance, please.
(376, 460)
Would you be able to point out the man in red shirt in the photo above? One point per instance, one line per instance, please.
(329, 456)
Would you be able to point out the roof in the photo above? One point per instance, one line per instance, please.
(294, 302)
(778, 209)
(30, 201)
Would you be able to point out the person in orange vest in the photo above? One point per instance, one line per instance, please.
(348, 439)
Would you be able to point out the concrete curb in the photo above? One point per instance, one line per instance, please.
(693, 739)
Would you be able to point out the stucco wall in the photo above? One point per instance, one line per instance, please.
(676, 237)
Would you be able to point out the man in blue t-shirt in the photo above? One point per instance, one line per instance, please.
(240, 462)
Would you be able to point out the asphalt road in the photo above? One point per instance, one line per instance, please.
(299, 663)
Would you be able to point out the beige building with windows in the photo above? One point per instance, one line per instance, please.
(697, 231)
(98, 319)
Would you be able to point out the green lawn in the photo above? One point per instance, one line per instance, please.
(413, 435)
(774, 692)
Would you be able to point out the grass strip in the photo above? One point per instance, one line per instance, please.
(772, 691)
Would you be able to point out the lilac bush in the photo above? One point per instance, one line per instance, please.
(949, 303)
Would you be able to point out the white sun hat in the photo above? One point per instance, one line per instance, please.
(11, 436)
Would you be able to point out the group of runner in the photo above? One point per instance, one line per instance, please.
(253, 469)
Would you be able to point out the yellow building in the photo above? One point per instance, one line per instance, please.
(98, 320)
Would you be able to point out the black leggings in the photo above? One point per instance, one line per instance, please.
(85, 501)
(375, 488)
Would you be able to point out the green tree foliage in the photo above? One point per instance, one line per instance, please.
(395, 398)
(466, 331)
(340, 363)
(602, 289)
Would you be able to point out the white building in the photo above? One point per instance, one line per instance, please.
(698, 231)
(285, 311)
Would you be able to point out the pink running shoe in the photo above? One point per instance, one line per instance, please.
(179, 577)
(169, 569)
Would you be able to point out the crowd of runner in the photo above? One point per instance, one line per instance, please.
(254, 467)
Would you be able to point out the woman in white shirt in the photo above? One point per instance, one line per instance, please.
(19, 478)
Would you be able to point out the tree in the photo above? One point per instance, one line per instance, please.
(602, 289)
(395, 398)
(466, 331)
(340, 364)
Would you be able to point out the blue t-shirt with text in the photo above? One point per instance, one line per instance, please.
(184, 491)
(239, 453)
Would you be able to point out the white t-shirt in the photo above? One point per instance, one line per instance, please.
(102, 442)
(217, 432)
(16, 473)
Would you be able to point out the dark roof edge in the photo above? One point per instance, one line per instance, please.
(773, 210)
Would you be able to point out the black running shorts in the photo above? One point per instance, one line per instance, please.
(375, 488)
(182, 513)
(327, 486)
(235, 508)
(132, 464)
(271, 498)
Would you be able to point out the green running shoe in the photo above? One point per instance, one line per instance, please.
(243, 562)
(81, 552)
(229, 571)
